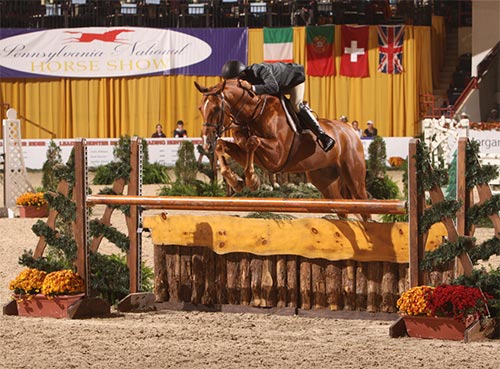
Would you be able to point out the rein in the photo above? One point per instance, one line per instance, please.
(244, 96)
(229, 110)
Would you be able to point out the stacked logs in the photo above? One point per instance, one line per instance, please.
(200, 276)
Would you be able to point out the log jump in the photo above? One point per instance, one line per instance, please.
(208, 262)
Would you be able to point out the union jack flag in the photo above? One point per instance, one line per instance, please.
(390, 49)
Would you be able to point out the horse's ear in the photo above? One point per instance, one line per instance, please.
(222, 87)
(200, 88)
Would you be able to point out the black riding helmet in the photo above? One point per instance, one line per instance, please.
(232, 69)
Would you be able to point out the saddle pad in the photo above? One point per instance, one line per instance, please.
(286, 106)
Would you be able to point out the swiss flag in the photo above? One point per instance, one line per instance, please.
(354, 61)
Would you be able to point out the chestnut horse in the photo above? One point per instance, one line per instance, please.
(258, 124)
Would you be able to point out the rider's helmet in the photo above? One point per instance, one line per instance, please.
(232, 69)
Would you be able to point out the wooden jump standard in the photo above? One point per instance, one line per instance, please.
(137, 203)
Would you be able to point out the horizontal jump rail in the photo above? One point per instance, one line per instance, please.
(254, 204)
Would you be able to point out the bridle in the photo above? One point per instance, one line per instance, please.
(229, 110)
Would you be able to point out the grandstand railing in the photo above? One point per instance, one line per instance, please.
(429, 106)
(224, 13)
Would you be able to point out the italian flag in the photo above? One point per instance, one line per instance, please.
(278, 45)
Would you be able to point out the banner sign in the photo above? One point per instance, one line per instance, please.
(119, 51)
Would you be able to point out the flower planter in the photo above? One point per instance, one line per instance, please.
(434, 327)
(43, 306)
(34, 211)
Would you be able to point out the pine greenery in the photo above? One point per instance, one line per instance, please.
(109, 276)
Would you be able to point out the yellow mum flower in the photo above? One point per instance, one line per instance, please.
(62, 282)
(415, 301)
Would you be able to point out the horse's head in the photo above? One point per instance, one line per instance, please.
(213, 110)
(227, 103)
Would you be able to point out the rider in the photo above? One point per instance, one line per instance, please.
(277, 79)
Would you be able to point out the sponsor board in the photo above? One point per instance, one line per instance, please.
(96, 52)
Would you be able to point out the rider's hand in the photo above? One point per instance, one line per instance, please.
(245, 84)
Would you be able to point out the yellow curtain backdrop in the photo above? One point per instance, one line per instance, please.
(110, 107)
(438, 47)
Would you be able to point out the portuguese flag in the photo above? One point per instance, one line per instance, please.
(278, 45)
(320, 61)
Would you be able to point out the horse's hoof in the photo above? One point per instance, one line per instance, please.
(238, 187)
(254, 185)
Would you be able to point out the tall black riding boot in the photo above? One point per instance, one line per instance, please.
(309, 120)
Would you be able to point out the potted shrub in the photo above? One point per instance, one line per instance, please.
(39, 294)
(32, 205)
(443, 312)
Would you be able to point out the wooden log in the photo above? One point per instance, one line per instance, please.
(220, 279)
(349, 285)
(226, 234)
(268, 284)
(256, 279)
(233, 282)
(389, 287)
(160, 273)
(404, 278)
(198, 275)
(333, 282)
(374, 298)
(292, 281)
(209, 264)
(361, 285)
(246, 291)
(318, 267)
(185, 274)
(173, 273)
(281, 272)
(305, 283)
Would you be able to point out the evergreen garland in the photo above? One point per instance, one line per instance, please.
(66, 209)
(62, 242)
(436, 213)
(485, 250)
(121, 240)
(479, 211)
(54, 159)
(427, 176)
(67, 172)
(475, 173)
(45, 263)
(445, 253)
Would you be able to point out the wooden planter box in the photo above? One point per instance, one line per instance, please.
(435, 327)
(33, 211)
(43, 306)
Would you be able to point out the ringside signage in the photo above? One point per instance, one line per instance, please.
(118, 52)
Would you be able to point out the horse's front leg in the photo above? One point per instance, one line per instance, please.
(231, 178)
(251, 179)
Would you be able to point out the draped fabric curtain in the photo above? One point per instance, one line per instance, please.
(110, 107)
(438, 47)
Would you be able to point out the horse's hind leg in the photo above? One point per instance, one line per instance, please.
(353, 178)
(327, 181)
